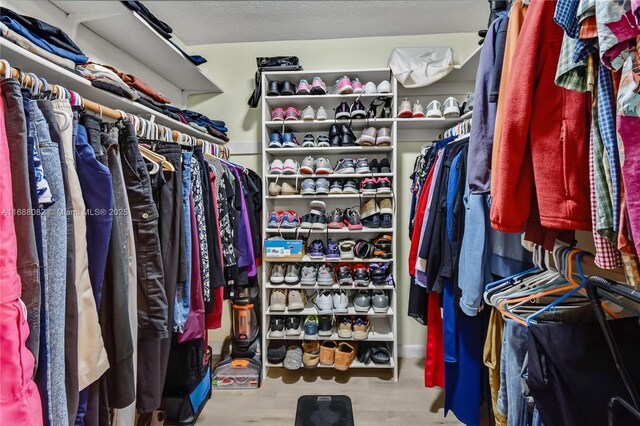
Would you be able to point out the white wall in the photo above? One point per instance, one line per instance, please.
(234, 66)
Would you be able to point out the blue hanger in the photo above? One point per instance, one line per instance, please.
(512, 277)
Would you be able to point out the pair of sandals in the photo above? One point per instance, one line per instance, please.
(384, 102)
(377, 352)
(380, 247)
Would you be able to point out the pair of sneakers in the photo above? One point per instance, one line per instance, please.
(288, 167)
(375, 186)
(285, 326)
(281, 273)
(288, 140)
(347, 186)
(366, 299)
(317, 87)
(318, 250)
(283, 219)
(346, 166)
(354, 328)
(314, 187)
(332, 302)
(310, 141)
(289, 114)
(349, 218)
(319, 166)
(377, 214)
(451, 109)
(282, 299)
(312, 275)
(372, 136)
(310, 114)
(353, 274)
(282, 189)
(344, 86)
(355, 111)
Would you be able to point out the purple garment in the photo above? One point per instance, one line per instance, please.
(194, 325)
(246, 257)
(484, 118)
(635, 8)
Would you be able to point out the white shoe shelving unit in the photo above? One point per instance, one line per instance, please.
(384, 326)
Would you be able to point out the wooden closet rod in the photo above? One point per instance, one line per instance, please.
(27, 81)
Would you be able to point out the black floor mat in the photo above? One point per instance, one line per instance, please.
(324, 410)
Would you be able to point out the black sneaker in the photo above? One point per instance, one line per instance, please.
(335, 137)
(277, 327)
(378, 273)
(325, 327)
(345, 275)
(348, 138)
(336, 219)
(305, 222)
(373, 166)
(343, 111)
(352, 219)
(274, 88)
(292, 325)
(336, 187)
(357, 110)
(372, 221)
(276, 351)
(361, 275)
(318, 221)
(288, 89)
(385, 166)
(386, 221)
(350, 187)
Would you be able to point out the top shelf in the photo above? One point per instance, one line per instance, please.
(132, 34)
(55, 74)
(377, 75)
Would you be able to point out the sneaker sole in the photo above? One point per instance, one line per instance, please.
(318, 91)
(307, 282)
(340, 310)
(332, 256)
(293, 332)
(358, 115)
(325, 333)
(322, 191)
(385, 141)
(335, 191)
(380, 310)
(275, 145)
(290, 145)
(350, 191)
(289, 192)
(343, 115)
(276, 281)
(292, 280)
(305, 225)
(296, 307)
(345, 90)
(349, 171)
(354, 227)
(319, 226)
(345, 335)
(325, 283)
(336, 225)
(278, 308)
(276, 334)
(323, 145)
(346, 281)
(405, 114)
(323, 171)
(418, 115)
(451, 112)
(316, 256)
(369, 191)
(308, 145)
(361, 308)
(361, 283)
(308, 192)
(383, 191)
(360, 335)
(322, 118)
(368, 139)
(306, 171)
(363, 171)
(308, 118)
(434, 115)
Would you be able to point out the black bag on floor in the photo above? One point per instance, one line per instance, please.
(188, 384)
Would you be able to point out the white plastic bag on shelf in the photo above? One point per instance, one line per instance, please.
(422, 66)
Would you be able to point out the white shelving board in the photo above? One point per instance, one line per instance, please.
(384, 325)
(459, 83)
(55, 74)
(124, 28)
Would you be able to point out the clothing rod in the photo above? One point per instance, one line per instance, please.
(26, 80)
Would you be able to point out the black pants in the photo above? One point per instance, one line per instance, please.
(152, 300)
(168, 197)
(572, 375)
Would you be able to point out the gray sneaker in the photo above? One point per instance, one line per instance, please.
(293, 274)
(293, 359)
(362, 166)
(362, 301)
(325, 275)
(336, 187)
(323, 166)
(345, 166)
(380, 301)
(277, 274)
(323, 141)
(309, 141)
(308, 275)
(322, 186)
(308, 187)
(308, 166)
(350, 187)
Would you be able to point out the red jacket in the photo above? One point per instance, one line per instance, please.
(545, 142)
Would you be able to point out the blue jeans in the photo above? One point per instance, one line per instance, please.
(514, 348)
(183, 290)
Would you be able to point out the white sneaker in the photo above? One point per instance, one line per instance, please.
(278, 300)
(405, 109)
(293, 274)
(384, 87)
(308, 113)
(370, 88)
(451, 108)
(277, 274)
(290, 167)
(325, 275)
(276, 167)
(321, 114)
(324, 303)
(418, 110)
(340, 302)
(296, 299)
(434, 109)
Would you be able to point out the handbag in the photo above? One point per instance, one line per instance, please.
(274, 63)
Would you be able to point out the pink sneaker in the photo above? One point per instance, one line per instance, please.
(277, 114)
(291, 114)
(357, 86)
(318, 87)
(303, 88)
(344, 86)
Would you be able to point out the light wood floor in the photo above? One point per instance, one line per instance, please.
(376, 399)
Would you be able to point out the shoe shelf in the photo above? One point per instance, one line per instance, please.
(427, 123)
(388, 332)
(380, 331)
(310, 309)
(355, 364)
(327, 287)
(316, 196)
(303, 232)
(307, 259)
(330, 176)
(301, 125)
(329, 150)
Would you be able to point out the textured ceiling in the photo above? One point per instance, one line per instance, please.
(207, 22)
